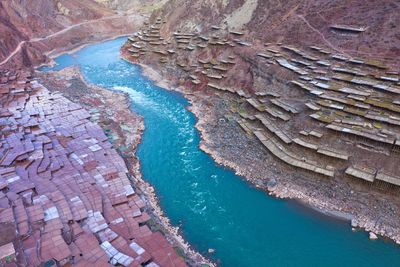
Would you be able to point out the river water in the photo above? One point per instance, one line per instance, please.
(213, 207)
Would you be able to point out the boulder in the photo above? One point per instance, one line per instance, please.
(372, 236)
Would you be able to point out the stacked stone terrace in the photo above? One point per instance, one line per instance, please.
(333, 115)
(65, 195)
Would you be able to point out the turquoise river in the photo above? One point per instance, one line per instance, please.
(213, 207)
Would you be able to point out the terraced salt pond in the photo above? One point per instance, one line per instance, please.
(214, 207)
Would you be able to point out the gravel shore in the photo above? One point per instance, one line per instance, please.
(224, 140)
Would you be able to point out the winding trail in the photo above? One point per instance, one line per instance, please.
(13, 53)
(320, 34)
(38, 39)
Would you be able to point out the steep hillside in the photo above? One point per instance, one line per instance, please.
(300, 97)
(23, 20)
(298, 22)
(31, 30)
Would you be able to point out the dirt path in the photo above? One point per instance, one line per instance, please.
(20, 45)
(13, 53)
(320, 34)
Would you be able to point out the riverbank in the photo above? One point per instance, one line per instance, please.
(248, 160)
(73, 49)
(193, 188)
(112, 112)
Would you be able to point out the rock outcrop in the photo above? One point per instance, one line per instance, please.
(62, 9)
